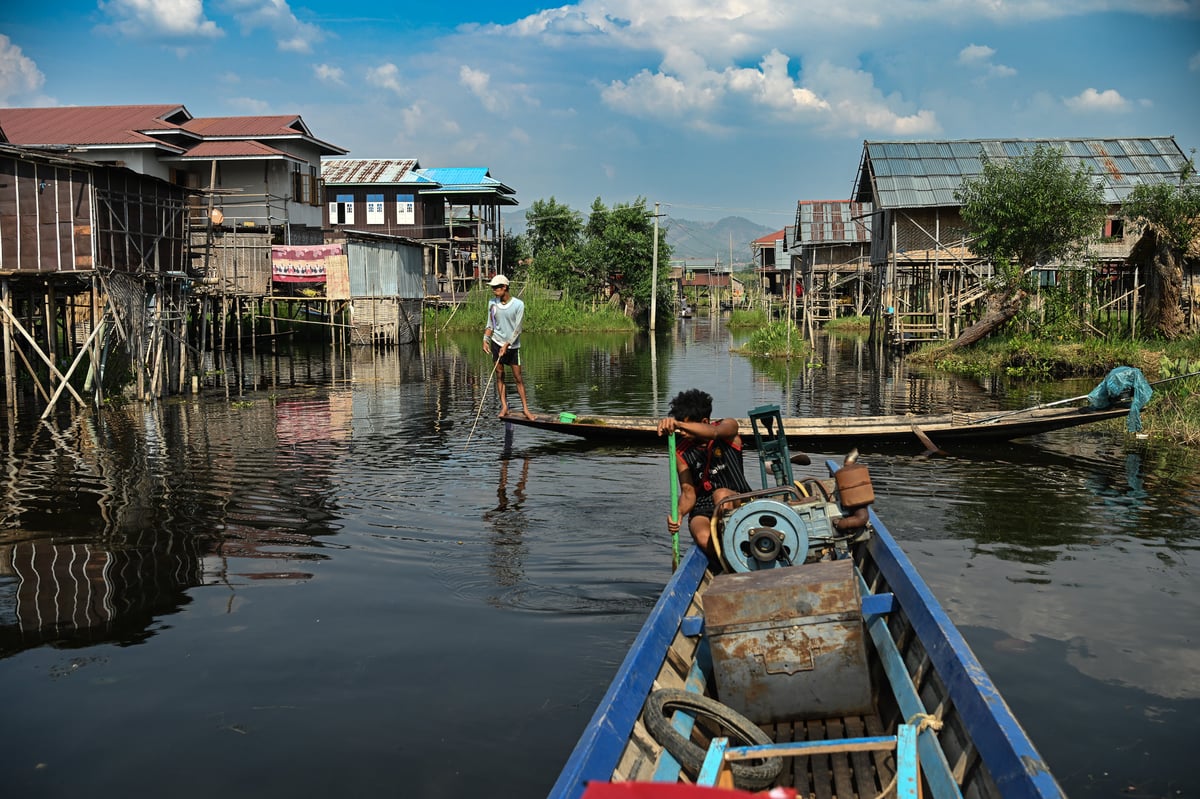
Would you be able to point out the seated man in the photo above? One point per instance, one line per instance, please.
(709, 461)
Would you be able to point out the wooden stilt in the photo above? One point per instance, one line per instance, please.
(10, 375)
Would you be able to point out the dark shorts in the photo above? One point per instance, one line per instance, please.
(703, 508)
(511, 358)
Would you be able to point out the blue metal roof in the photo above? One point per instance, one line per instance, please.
(926, 173)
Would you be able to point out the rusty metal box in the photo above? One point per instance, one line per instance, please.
(789, 643)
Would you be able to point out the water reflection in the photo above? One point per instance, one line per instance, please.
(336, 547)
(109, 521)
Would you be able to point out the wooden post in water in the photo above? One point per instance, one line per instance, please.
(10, 377)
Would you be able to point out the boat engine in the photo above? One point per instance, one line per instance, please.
(790, 525)
(773, 528)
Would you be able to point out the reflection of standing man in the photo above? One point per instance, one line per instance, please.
(502, 339)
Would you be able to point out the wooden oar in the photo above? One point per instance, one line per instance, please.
(930, 447)
(674, 500)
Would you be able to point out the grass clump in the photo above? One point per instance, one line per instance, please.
(847, 324)
(776, 340)
(545, 312)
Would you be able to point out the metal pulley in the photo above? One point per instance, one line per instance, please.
(763, 534)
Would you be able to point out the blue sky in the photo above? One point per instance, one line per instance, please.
(711, 107)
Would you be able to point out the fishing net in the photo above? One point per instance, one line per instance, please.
(1120, 382)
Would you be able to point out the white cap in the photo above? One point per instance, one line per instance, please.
(499, 280)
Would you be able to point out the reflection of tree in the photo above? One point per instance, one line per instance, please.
(1032, 520)
(509, 523)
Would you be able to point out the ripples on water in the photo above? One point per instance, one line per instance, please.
(344, 575)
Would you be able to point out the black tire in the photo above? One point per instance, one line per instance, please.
(748, 775)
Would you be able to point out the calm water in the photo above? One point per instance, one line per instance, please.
(318, 578)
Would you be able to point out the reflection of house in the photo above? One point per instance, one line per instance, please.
(920, 250)
(831, 254)
(454, 209)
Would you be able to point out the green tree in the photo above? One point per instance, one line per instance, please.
(619, 251)
(554, 233)
(1021, 212)
(1169, 217)
(514, 250)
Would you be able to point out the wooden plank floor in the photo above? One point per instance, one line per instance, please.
(846, 775)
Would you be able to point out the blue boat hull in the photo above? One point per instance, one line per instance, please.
(980, 750)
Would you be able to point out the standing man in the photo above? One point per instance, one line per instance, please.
(709, 462)
(502, 339)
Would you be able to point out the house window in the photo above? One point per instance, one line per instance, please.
(405, 210)
(1114, 229)
(374, 209)
(341, 210)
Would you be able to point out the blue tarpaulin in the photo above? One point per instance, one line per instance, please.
(1120, 381)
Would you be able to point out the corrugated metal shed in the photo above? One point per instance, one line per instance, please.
(926, 173)
(833, 222)
(372, 171)
(385, 267)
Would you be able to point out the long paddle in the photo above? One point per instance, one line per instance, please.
(482, 400)
(674, 501)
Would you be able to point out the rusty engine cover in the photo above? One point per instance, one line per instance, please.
(789, 643)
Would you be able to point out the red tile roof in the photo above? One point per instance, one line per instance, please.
(95, 125)
(232, 148)
(770, 238)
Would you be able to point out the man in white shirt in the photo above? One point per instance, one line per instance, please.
(502, 339)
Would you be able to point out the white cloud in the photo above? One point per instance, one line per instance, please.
(975, 53)
(251, 106)
(1109, 100)
(478, 83)
(1194, 62)
(832, 97)
(19, 75)
(979, 56)
(291, 35)
(386, 77)
(154, 19)
(327, 73)
(418, 123)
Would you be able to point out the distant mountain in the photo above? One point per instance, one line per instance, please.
(711, 241)
(690, 240)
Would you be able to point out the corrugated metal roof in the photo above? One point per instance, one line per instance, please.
(260, 127)
(233, 149)
(370, 171)
(242, 127)
(141, 125)
(92, 125)
(465, 178)
(832, 222)
(925, 174)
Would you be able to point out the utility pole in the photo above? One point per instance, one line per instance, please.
(654, 272)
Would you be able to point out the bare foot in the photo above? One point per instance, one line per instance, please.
(503, 411)
(528, 415)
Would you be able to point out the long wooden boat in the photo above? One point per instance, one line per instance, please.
(930, 701)
(815, 433)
